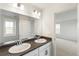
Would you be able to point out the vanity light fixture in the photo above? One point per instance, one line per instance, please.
(36, 13)
(18, 5)
(21, 6)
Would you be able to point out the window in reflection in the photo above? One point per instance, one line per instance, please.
(10, 29)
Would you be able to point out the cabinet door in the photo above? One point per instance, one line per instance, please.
(32, 53)
(45, 50)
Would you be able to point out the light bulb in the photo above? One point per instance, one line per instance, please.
(18, 5)
(36, 12)
(22, 7)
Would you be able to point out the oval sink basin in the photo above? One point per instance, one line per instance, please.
(40, 40)
(19, 48)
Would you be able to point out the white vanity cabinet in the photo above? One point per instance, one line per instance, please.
(32, 53)
(44, 50)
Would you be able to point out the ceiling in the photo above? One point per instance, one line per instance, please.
(56, 7)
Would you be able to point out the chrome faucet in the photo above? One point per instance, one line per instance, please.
(37, 37)
(19, 42)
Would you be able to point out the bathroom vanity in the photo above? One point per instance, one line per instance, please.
(36, 49)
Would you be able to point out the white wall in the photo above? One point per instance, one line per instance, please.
(48, 23)
(66, 15)
(48, 26)
(38, 27)
(68, 24)
(45, 26)
(68, 30)
(78, 30)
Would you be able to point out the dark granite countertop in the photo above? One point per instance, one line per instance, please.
(4, 49)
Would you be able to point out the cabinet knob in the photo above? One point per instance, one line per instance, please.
(46, 52)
